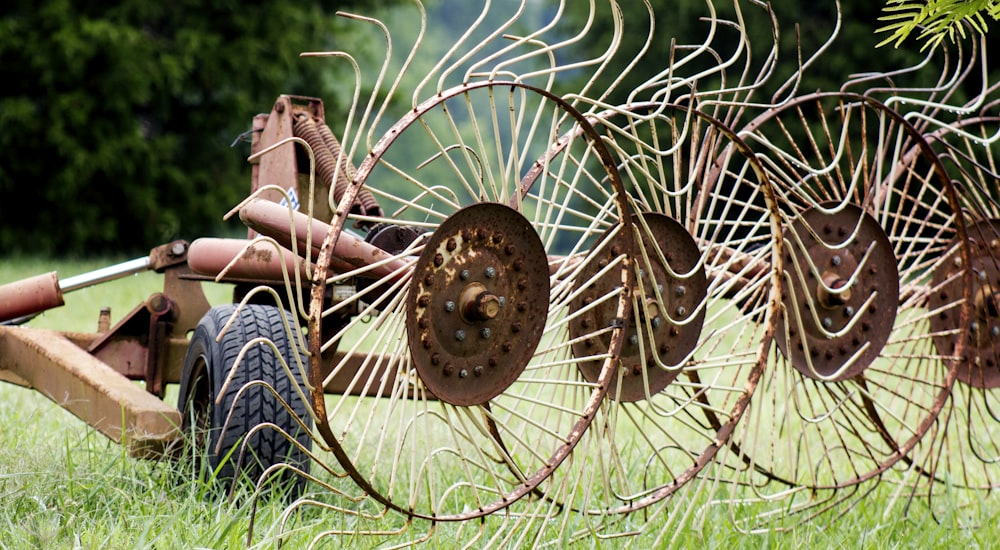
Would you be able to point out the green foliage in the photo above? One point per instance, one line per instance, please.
(117, 118)
(936, 19)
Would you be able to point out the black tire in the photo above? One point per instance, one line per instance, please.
(207, 365)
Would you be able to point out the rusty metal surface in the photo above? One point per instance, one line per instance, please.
(842, 293)
(352, 252)
(239, 259)
(283, 162)
(90, 389)
(137, 345)
(981, 365)
(168, 255)
(669, 310)
(30, 296)
(187, 296)
(279, 167)
(478, 303)
(173, 358)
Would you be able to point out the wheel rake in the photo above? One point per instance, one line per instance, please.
(499, 212)
(955, 464)
(495, 385)
(528, 315)
(696, 342)
(855, 380)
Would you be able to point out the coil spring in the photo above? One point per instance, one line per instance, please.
(327, 151)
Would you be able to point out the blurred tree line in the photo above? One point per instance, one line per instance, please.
(117, 118)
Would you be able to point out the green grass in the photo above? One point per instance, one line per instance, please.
(63, 485)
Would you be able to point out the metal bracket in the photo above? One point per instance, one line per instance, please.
(136, 347)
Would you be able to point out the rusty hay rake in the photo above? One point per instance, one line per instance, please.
(534, 311)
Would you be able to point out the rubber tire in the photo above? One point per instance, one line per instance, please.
(208, 363)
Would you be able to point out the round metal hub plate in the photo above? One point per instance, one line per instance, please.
(841, 292)
(668, 316)
(477, 304)
(981, 367)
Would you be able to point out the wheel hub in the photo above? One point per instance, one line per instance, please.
(668, 313)
(981, 367)
(477, 304)
(842, 289)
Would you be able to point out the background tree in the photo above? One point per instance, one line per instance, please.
(117, 117)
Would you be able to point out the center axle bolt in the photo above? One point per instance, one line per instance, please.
(478, 303)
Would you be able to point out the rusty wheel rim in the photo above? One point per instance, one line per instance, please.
(964, 451)
(466, 453)
(819, 439)
(657, 431)
(980, 367)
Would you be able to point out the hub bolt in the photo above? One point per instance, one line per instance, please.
(449, 306)
(460, 335)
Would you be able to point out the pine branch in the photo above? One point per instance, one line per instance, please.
(935, 20)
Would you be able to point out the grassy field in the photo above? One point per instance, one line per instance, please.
(63, 485)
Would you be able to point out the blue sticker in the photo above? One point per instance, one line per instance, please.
(291, 196)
